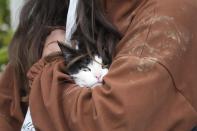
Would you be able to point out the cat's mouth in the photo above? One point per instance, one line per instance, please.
(97, 84)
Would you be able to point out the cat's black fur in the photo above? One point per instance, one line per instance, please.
(77, 59)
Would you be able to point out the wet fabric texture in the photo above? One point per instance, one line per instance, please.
(151, 84)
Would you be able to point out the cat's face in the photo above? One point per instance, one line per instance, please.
(86, 71)
(89, 72)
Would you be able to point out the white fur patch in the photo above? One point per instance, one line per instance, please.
(86, 78)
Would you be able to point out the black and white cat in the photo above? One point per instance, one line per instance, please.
(86, 71)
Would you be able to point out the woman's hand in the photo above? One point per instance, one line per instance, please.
(51, 45)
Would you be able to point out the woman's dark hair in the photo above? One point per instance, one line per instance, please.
(39, 17)
(94, 31)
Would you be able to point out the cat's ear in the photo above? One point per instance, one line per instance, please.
(67, 51)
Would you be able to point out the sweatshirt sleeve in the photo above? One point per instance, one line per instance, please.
(150, 86)
(10, 111)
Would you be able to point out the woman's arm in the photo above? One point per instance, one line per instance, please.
(150, 86)
(11, 116)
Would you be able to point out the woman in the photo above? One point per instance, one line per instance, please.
(151, 84)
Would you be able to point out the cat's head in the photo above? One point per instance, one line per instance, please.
(84, 69)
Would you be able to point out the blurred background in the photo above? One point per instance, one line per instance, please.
(9, 13)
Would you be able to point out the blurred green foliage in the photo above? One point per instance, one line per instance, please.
(5, 31)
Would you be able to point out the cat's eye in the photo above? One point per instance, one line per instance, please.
(104, 66)
(86, 69)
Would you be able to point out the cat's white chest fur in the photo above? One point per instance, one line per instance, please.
(92, 75)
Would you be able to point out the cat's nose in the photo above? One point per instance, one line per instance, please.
(98, 77)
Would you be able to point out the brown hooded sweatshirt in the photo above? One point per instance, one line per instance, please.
(151, 84)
